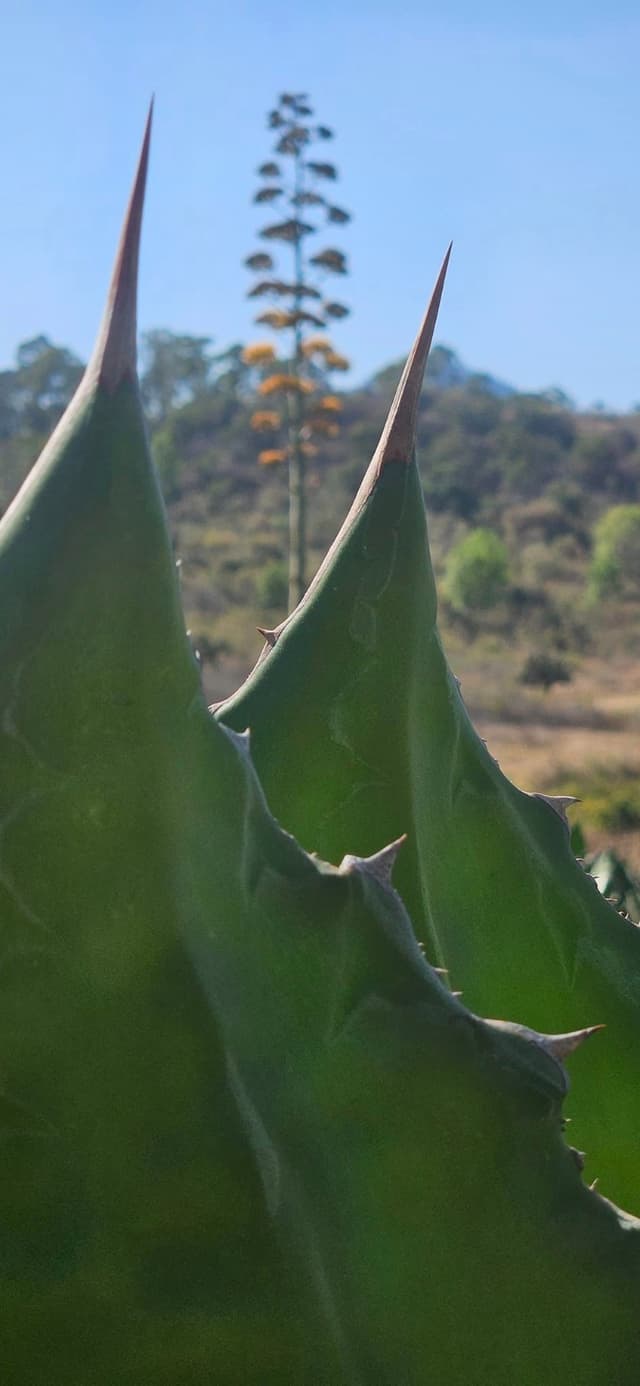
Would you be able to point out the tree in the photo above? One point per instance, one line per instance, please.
(296, 378)
(477, 571)
(43, 383)
(232, 374)
(34, 394)
(615, 567)
(8, 411)
(175, 370)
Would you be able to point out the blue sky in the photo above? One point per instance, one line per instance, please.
(513, 129)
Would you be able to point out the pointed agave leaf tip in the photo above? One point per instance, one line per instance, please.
(380, 865)
(399, 433)
(114, 355)
(396, 443)
(559, 803)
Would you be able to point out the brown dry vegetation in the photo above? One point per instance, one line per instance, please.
(582, 737)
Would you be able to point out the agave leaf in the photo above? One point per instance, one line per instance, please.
(360, 734)
(135, 1245)
(412, 1155)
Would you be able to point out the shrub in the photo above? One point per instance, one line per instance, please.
(541, 670)
(272, 586)
(477, 572)
(615, 568)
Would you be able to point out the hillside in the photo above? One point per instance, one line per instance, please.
(527, 467)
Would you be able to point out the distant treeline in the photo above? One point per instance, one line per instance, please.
(486, 446)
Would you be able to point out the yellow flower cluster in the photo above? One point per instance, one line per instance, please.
(271, 455)
(258, 354)
(316, 344)
(265, 419)
(331, 403)
(283, 381)
(318, 424)
(335, 362)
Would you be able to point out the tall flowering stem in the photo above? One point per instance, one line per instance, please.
(296, 376)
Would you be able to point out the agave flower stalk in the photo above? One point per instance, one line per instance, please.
(298, 312)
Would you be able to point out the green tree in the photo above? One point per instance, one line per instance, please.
(175, 370)
(232, 374)
(8, 412)
(43, 383)
(532, 444)
(296, 378)
(606, 462)
(615, 566)
(477, 573)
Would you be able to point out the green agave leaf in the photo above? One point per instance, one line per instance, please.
(360, 733)
(134, 1241)
(412, 1155)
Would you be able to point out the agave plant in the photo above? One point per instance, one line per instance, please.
(360, 733)
(249, 1134)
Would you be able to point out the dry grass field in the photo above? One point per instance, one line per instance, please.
(582, 737)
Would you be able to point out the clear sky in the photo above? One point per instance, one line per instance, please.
(513, 128)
